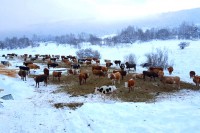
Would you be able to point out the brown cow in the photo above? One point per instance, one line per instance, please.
(56, 74)
(22, 74)
(115, 77)
(33, 66)
(123, 73)
(196, 80)
(137, 76)
(108, 64)
(131, 84)
(155, 69)
(192, 74)
(98, 72)
(83, 77)
(40, 78)
(46, 71)
(170, 70)
(170, 80)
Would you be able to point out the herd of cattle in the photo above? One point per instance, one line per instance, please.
(74, 67)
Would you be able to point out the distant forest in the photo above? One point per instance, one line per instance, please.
(129, 34)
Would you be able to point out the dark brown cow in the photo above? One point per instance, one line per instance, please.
(149, 74)
(170, 70)
(56, 74)
(192, 74)
(46, 71)
(22, 74)
(117, 62)
(40, 78)
(83, 77)
(130, 65)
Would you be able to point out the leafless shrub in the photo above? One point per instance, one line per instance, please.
(159, 58)
(82, 53)
(131, 58)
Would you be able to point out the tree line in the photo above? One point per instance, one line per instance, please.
(129, 34)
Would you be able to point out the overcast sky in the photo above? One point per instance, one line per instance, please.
(15, 14)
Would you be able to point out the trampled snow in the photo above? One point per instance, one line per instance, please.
(32, 108)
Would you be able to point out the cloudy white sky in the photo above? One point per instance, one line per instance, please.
(16, 14)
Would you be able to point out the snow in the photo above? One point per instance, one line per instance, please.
(32, 108)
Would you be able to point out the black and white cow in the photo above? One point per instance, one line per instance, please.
(105, 89)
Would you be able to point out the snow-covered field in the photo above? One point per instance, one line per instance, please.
(32, 108)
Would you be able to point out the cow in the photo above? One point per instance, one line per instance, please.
(122, 66)
(109, 64)
(149, 74)
(137, 76)
(129, 66)
(196, 80)
(27, 62)
(114, 77)
(170, 70)
(105, 89)
(75, 66)
(46, 72)
(98, 73)
(52, 65)
(123, 73)
(96, 68)
(192, 74)
(22, 74)
(40, 78)
(155, 69)
(27, 69)
(33, 66)
(56, 74)
(83, 77)
(170, 80)
(117, 62)
(6, 63)
(73, 71)
(146, 65)
(131, 84)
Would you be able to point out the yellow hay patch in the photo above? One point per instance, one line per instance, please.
(8, 72)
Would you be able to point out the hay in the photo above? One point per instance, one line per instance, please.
(8, 72)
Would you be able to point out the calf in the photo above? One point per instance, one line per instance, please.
(22, 74)
(114, 77)
(192, 74)
(131, 84)
(83, 77)
(170, 70)
(40, 78)
(171, 80)
(149, 74)
(46, 72)
(105, 89)
(56, 74)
